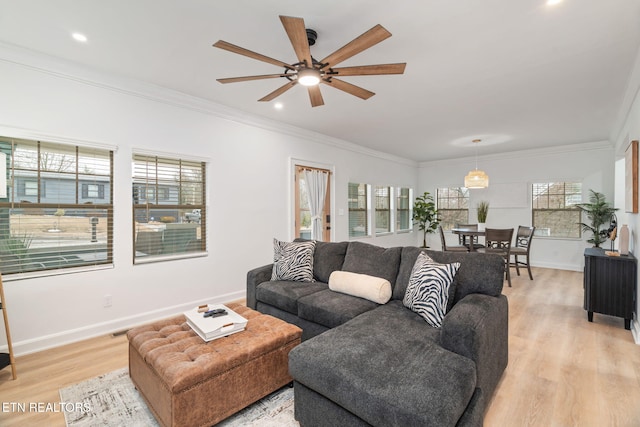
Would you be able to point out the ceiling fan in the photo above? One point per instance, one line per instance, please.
(310, 72)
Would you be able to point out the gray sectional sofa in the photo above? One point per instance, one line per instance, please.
(363, 363)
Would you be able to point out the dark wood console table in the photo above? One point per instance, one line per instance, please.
(609, 284)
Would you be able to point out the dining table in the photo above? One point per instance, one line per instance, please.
(472, 233)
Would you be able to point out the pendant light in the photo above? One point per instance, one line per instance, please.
(476, 178)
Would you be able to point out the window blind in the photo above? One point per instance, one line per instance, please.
(47, 221)
(358, 210)
(403, 209)
(453, 206)
(383, 209)
(554, 212)
(169, 213)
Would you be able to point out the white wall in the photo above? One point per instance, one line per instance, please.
(628, 131)
(509, 192)
(249, 200)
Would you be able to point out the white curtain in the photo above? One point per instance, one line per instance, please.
(316, 182)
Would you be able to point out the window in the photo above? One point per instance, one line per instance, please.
(453, 206)
(358, 210)
(92, 191)
(57, 229)
(403, 209)
(29, 188)
(383, 209)
(554, 209)
(169, 215)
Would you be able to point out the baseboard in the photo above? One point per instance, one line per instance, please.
(559, 266)
(45, 342)
(635, 331)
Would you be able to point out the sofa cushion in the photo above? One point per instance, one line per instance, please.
(386, 367)
(478, 273)
(408, 261)
(284, 294)
(328, 257)
(428, 290)
(372, 260)
(331, 309)
(373, 288)
(293, 261)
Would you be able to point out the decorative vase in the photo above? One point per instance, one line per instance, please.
(481, 226)
(624, 240)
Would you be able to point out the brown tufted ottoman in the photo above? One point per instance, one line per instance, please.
(188, 382)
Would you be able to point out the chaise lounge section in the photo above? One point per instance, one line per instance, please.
(366, 363)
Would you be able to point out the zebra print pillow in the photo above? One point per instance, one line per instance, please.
(293, 261)
(428, 290)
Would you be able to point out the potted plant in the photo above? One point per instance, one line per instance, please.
(599, 212)
(425, 215)
(483, 210)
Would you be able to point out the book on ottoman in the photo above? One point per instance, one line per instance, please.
(210, 328)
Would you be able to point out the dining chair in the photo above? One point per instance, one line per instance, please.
(462, 239)
(448, 248)
(498, 241)
(522, 248)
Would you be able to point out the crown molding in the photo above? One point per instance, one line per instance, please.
(68, 70)
(510, 155)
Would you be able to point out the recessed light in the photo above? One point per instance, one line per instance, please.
(278, 106)
(79, 37)
(553, 2)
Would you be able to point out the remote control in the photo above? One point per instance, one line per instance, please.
(215, 313)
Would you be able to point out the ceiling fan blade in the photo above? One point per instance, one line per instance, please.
(242, 51)
(357, 45)
(315, 96)
(298, 36)
(248, 78)
(370, 70)
(276, 93)
(349, 88)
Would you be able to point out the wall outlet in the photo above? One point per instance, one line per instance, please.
(108, 301)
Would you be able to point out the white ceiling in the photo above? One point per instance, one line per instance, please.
(517, 71)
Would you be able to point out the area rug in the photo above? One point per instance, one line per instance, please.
(112, 400)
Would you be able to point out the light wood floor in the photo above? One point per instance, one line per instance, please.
(563, 370)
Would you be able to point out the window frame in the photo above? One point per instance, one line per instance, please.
(399, 210)
(366, 209)
(156, 188)
(30, 188)
(87, 191)
(577, 194)
(30, 160)
(386, 209)
(444, 210)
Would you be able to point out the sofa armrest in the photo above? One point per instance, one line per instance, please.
(254, 278)
(477, 328)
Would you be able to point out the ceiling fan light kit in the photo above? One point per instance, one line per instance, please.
(309, 72)
(309, 77)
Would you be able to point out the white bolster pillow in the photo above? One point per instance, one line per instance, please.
(374, 289)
